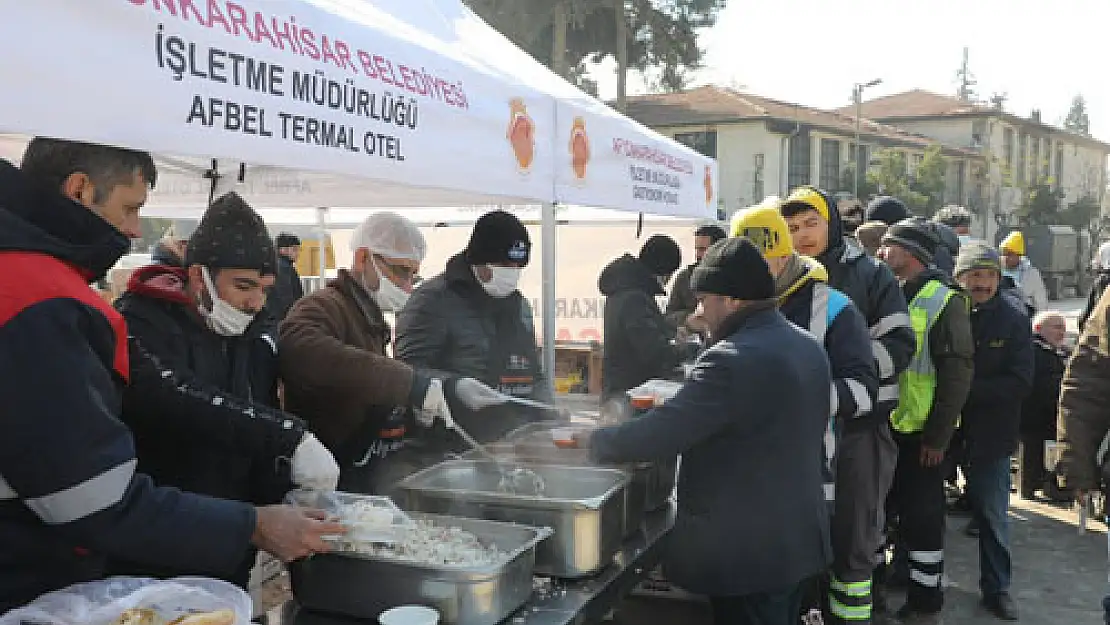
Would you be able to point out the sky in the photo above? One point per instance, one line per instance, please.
(1040, 53)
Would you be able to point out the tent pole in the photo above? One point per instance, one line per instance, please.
(322, 226)
(549, 242)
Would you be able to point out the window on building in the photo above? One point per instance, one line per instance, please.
(978, 133)
(704, 143)
(1019, 162)
(916, 160)
(1047, 161)
(1059, 163)
(1035, 161)
(798, 171)
(1008, 147)
(830, 164)
(758, 191)
(961, 181)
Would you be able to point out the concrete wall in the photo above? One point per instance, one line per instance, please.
(737, 148)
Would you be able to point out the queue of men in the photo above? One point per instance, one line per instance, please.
(149, 438)
(930, 367)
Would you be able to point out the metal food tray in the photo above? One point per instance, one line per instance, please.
(635, 495)
(364, 586)
(652, 482)
(584, 505)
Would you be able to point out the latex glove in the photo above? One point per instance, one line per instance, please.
(313, 466)
(434, 406)
(477, 396)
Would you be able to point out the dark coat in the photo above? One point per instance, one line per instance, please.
(952, 347)
(845, 339)
(1038, 413)
(69, 493)
(1102, 280)
(637, 337)
(681, 304)
(181, 446)
(287, 289)
(749, 423)
(949, 248)
(163, 319)
(1003, 378)
(876, 293)
(451, 327)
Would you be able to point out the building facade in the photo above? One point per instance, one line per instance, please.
(767, 147)
(1018, 153)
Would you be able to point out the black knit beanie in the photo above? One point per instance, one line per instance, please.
(498, 237)
(734, 268)
(231, 235)
(917, 236)
(887, 209)
(287, 240)
(661, 255)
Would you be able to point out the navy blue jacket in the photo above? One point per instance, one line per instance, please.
(878, 296)
(749, 423)
(831, 317)
(1003, 378)
(843, 332)
(69, 493)
(287, 289)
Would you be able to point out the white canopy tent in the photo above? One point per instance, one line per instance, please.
(302, 104)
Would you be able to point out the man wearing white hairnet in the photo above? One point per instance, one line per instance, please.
(337, 374)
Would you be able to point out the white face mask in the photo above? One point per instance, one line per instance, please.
(503, 282)
(389, 297)
(224, 319)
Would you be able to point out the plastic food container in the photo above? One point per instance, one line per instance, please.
(563, 438)
(409, 615)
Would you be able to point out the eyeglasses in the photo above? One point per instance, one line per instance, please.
(402, 272)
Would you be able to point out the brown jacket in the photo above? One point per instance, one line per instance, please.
(334, 365)
(1085, 394)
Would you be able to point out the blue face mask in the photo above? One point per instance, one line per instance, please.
(965, 239)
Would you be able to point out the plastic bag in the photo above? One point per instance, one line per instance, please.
(102, 602)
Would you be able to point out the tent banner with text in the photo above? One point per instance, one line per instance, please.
(605, 159)
(323, 86)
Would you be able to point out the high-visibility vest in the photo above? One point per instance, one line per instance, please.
(918, 383)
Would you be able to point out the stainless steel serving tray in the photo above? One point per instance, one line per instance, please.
(583, 505)
(641, 476)
(363, 586)
(652, 482)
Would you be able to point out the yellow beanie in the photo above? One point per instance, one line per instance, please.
(764, 226)
(1014, 243)
(810, 197)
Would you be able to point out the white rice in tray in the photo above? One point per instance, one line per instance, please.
(421, 543)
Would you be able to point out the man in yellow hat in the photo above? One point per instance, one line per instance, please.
(815, 229)
(858, 484)
(1016, 266)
